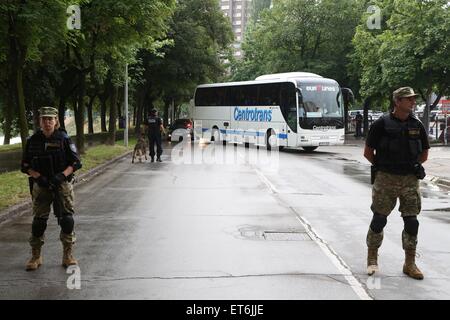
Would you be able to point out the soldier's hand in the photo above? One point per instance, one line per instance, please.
(58, 179)
(42, 182)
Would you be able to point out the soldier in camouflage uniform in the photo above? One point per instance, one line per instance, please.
(50, 158)
(397, 145)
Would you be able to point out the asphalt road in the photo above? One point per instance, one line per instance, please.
(230, 223)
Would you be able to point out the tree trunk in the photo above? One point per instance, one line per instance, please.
(21, 104)
(9, 108)
(166, 112)
(134, 115)
(62, 112)
(79, 114)
(36, 123)
(103, 114)
(90, 116)
(139, 110)
(366, 116)
(426, 110)
(113, 116)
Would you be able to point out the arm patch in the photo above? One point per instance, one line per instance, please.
(73, 147)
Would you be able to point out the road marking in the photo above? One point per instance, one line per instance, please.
(272, 189)
(337, 261)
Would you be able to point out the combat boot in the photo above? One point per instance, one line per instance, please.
(372, 261)
(410, 268)
(373, 241)
(158, 159)
(68, 259)
(35, 261)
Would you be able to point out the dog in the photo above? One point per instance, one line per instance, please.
(140, 149)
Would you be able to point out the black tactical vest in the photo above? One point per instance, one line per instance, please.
(400, 146)
(48, 155)
(154, 125)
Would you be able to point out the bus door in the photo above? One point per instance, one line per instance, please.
(288, 106)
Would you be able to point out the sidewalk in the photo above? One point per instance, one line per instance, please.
(437, 167)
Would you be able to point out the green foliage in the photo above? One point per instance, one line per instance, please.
(300, 35)
(201, 36)
(257, 7)
(411, 49)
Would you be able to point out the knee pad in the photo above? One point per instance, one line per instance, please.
(378, 222)
(67, 223)
(38, 227)
(411, 225)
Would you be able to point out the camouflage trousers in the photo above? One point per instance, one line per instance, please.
(388, 187)
(42, 201)
(386, 190)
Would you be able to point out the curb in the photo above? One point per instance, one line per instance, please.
(439, 181)
(25, 206)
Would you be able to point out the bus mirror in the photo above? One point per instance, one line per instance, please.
(300, 95)
(349, 97)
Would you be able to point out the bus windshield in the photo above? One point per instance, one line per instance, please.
(320, 101)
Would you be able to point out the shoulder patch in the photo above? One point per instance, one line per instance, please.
(73, 147)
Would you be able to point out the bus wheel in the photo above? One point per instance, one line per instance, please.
(271, 140)
(215, 137)
(247, 145)
(309, 149)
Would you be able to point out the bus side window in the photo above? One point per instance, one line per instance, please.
(251, 95)
(269, 94)
(234, 96)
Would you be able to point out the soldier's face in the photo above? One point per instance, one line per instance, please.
(406, 104)
(48, 124)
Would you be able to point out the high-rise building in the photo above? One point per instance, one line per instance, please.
(239, 13)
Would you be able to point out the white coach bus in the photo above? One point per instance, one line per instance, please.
(296, 109)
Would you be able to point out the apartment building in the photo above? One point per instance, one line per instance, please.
(239, 13)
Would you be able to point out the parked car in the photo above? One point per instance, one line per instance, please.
(180, 130)
(375, 114)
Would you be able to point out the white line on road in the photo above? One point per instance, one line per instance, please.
(337, 261)
(272, 189)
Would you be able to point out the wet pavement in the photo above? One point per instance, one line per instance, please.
(231, 223)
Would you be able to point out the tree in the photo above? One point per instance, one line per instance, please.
(111, 34)
(300, 35)
(28, 28)
(412, 49)
(200, 36)
(257, 7)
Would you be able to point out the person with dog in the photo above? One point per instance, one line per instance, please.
(50, 159)
(397, 145)
(155, 127)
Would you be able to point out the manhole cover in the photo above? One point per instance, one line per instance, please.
(286, 236)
